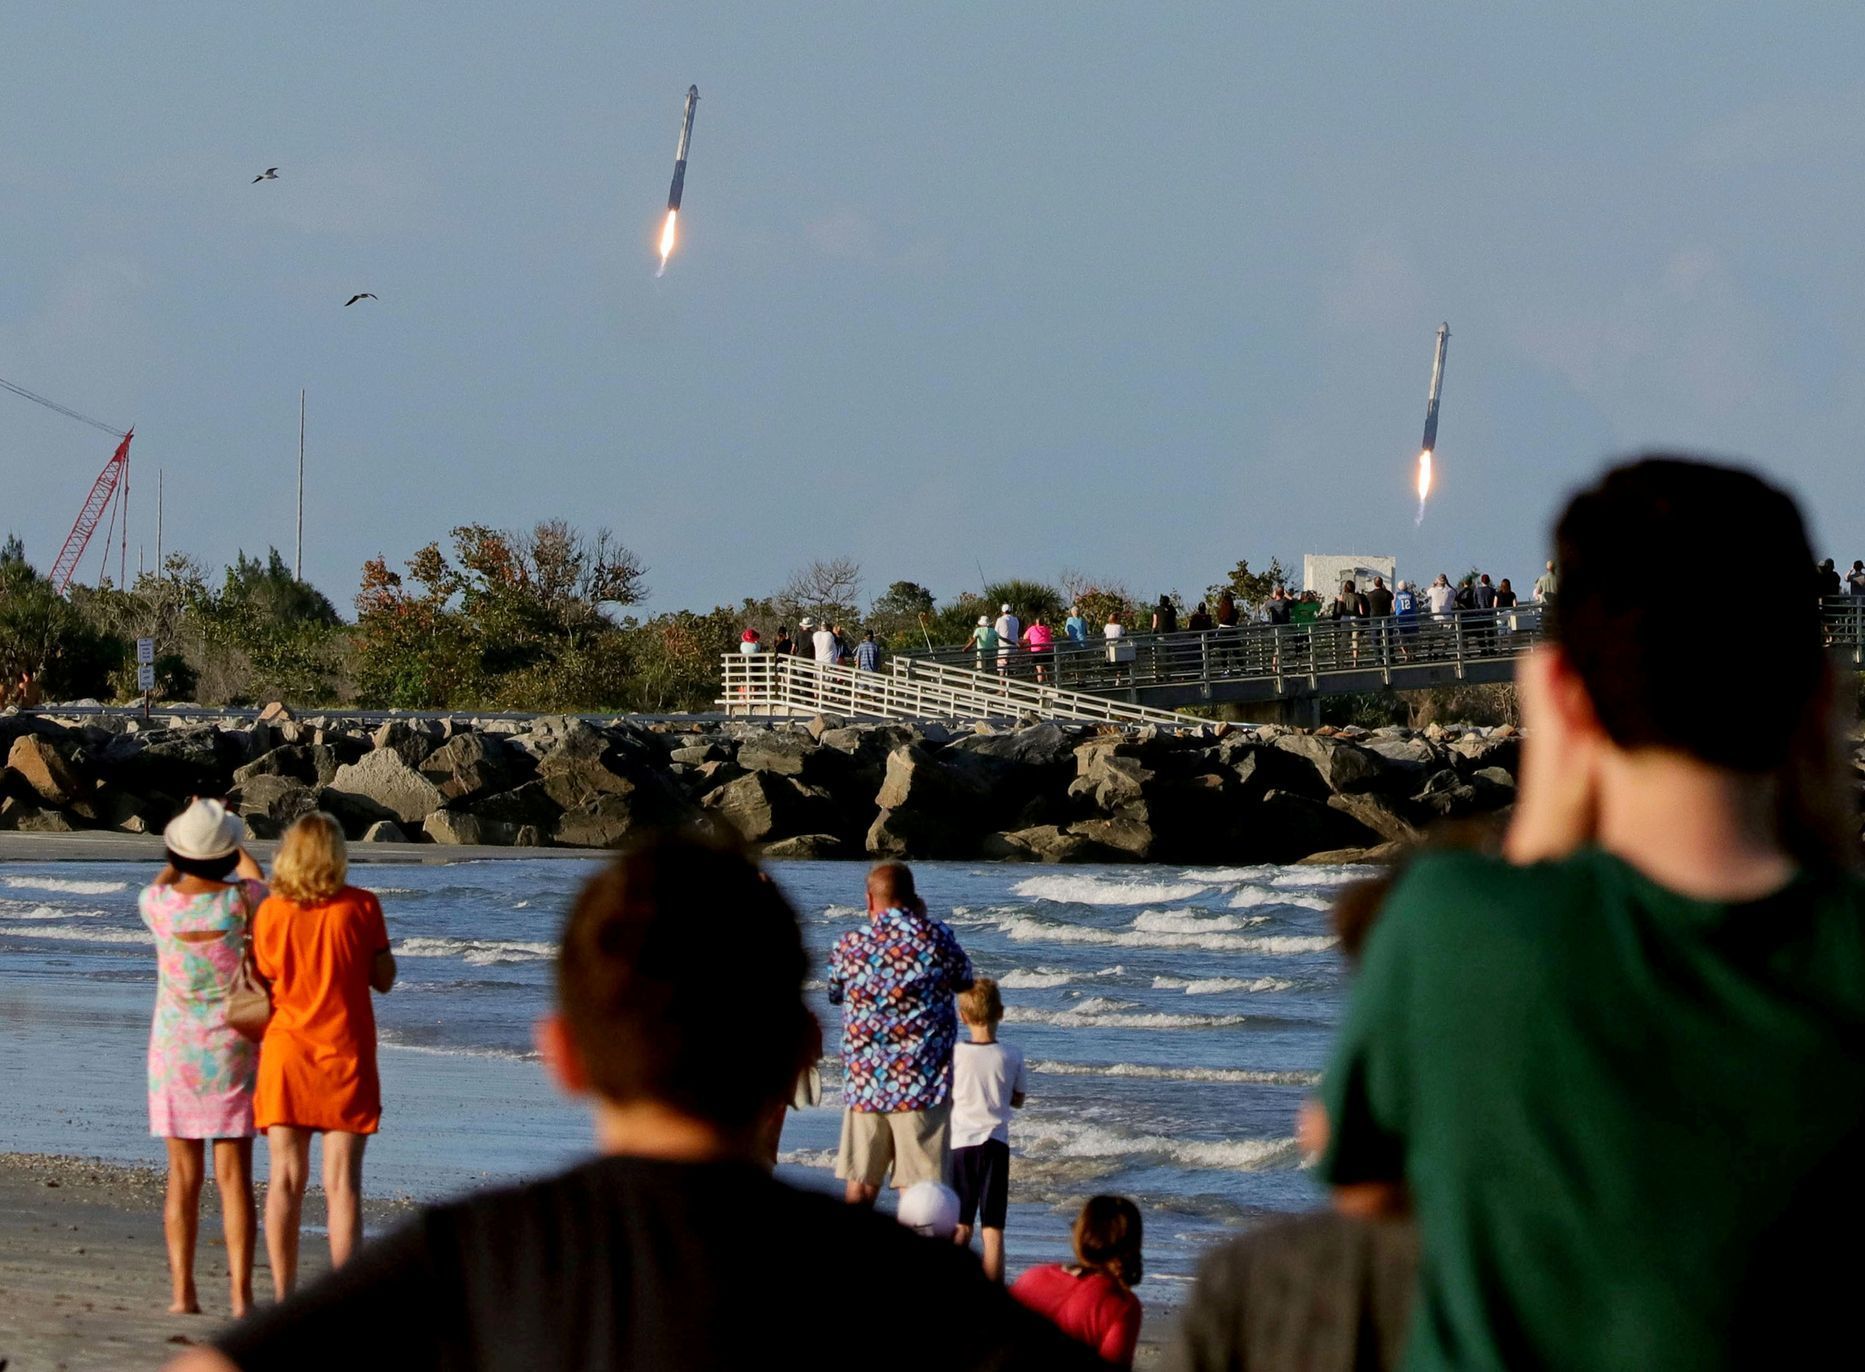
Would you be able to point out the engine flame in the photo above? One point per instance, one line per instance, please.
(1424, 483)
(667, 238)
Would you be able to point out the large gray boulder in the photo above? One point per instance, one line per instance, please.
(271, 804)
(1042, 843)
(1383, 816)
(807, 848)
(1343, 767)
(39, 764)
(470, 765)
(920, 833)
(780, 751)
(916, 780)
(412, 741)
(604, 822)
(763, 806)
(1124, 835)
(383, 782)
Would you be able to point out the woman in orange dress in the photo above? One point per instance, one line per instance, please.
(323, 946)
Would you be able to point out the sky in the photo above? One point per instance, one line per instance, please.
(1135, 290)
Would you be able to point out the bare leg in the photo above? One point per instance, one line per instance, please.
(994, 1254)
(233, 1170)
(289, 1150)
(860, 1192)
(343, 1192)
(181, 1222)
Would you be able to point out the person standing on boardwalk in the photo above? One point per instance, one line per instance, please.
(983, 639)
(895, 979)
(868, 653)
(199, 910)
(1547, 585)
(323, 946)
(1009, 635)
(1617, 1069)
(1165, 616)
(1039, 638)
(1076, 627)
(785, 645)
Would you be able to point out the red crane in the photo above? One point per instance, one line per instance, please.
(112, 484)
(103, 490)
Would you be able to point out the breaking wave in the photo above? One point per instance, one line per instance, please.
(70, 885)
(1037, 979)
(1104, 891)
(1252, 896)
(76, 933)
(1192, 922)
(1024, 929)
(1217, 986)
(1059, 1138)
(480, 952)
(1241, 1076)
(1083, 1018)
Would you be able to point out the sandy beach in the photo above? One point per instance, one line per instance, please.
(82, 1277)
(82, 1280)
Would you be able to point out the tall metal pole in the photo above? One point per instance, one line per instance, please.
(297, 564)
(159, 475)
(123, 545)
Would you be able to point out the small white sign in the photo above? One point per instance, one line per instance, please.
(145, 650)
(145, 677)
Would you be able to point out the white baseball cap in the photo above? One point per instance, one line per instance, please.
(929, 1208)
(1005, 607)
(203, 831)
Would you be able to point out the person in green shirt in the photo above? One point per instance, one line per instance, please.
(1618, 1073)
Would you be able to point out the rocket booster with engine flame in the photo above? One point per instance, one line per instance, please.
(679, 157)
(1437, 386)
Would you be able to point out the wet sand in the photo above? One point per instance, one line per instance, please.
(83, 1277)
(83, 1280)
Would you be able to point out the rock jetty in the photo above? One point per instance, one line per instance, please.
(1036, 792)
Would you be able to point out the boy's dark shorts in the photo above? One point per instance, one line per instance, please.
(981, 1176)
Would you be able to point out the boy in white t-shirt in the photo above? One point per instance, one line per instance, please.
(987, 1084)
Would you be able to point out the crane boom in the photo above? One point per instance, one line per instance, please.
(94, 506)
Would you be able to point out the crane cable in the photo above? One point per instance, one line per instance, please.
(38, 399)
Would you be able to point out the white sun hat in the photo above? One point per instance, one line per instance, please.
(984, 621)
(204, 831)
(929, 1208)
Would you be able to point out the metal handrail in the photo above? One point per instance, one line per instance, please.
(780, 685)
(1262, 651)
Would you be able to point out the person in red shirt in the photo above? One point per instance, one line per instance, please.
(1091, 1300)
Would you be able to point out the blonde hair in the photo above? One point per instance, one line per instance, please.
(981, 1004)
(311, 865)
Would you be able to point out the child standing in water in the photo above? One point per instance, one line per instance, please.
(988, 1082)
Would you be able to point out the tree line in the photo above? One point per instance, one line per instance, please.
(531, 619)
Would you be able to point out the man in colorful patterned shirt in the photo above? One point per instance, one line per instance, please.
(895, 980)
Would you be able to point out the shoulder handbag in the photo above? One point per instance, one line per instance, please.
(249, 998)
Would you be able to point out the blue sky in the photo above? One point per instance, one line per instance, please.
(1132, 289)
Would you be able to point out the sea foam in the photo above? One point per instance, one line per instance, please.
(480, 952)
(1082, 890)
(1140, 1071)
(1024, 929)
(69, 885)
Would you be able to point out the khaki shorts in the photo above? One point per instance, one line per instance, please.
(916, 1144)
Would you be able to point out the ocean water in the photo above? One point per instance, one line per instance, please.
(1173, 1020)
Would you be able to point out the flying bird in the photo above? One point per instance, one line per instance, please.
(360, 295)
(269, 174)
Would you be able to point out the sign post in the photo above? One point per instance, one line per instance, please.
(145, 672)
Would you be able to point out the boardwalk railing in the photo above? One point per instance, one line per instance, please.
(1114, 679)
(1296, 658)
(771, 685)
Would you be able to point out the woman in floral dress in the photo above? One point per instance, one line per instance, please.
(200, 1068)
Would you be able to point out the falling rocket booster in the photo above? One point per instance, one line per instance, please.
(679, 178)
(1437, 385)
(679, 158)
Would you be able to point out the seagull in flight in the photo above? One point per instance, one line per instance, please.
(360, 295)
(269, 174)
